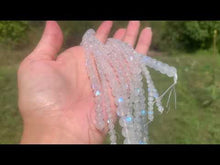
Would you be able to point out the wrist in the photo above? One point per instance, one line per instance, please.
(41, 133)
(48, 134)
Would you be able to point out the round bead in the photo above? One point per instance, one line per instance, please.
(160, 108)
(120, 100)
(113, 138)
(125, 141)
(97, 93)
(143, 112)
(128, 119)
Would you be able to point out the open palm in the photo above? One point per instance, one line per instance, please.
(55, 96)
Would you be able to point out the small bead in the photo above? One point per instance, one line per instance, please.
(97, 93)
(126, 141)
(160, 108)
(128, 119)
(141, 142)
(156, 95)
(113, 138)
(143, 112)
(120, 100)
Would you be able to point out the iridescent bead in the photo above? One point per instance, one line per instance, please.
(120, 100)
(141, 142)
(143, 112)
(97, 93)
(160, 108)
(128, 119)
(156, 95)
(126, 141)
(150, 98)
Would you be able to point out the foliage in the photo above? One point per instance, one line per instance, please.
(190, 35)
(13, 33)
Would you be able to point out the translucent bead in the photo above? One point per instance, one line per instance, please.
(126, 141)
(128, 119)
(120, 113)
(124, 132)
(112, 131)
(122, 122)
(151, 118)
(111, 126)
(150, 99)
(113, 138)
(161, 109)
(169, 74)
(137, 120)
(97, 93)
(156, 95)
(142, 142)
(100, 125)
(143, 112)
(150, 94)
(173, 69)
(150, 103)
(120, 100)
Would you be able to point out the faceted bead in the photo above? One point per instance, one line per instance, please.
(150, 98)
(124, 132)
(112, 131)
(151, 118)
(150, 103)
(120, 100)
(122, 122)
(143, 112)
(125, 141)
(111, 126)
(160, 108)
(128, 119)
(156, 95)
(137, 120)
(150, 94)
(97, 93)
(113, 138)
(169, 74)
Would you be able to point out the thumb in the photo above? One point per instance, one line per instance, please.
(50, 43)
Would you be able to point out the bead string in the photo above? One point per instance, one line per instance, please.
(121, 69)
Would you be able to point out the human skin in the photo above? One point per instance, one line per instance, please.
(55, 96)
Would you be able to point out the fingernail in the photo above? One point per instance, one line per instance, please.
(149, 28)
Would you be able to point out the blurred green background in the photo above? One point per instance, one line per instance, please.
(191, 46)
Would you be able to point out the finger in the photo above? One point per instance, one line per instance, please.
(144, 41)
(132, 32)
(50, 43)
(119, 34)
(104, 30)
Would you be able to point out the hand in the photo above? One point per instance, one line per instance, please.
(55, 97)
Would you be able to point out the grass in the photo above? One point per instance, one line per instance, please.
(10, 120)
(195, 121)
